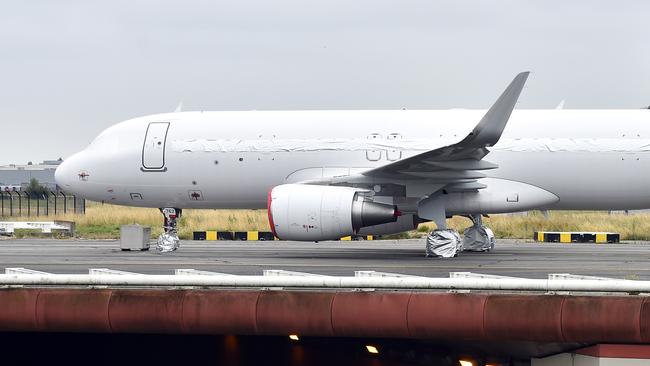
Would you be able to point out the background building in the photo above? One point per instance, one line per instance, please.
(17, 177)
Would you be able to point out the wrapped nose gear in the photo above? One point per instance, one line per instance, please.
(168, 241)
(478, 238)
(443, 243)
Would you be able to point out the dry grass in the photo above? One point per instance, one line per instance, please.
(631, 227)
(104, 221)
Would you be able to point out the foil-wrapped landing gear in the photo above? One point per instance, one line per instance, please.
(447, 243)
(478, 238)
(443, 243)
(168, 241)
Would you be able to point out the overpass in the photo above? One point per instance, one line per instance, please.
(483, 319)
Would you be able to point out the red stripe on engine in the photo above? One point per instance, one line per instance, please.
(268, 211)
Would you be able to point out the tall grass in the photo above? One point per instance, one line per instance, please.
(631, 227)
(104, 221)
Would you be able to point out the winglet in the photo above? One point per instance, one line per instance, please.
(489, 129)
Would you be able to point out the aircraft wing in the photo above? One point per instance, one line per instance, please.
(456, 165)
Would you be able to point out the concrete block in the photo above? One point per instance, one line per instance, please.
(134, 237)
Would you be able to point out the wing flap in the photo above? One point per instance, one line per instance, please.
(447, 174)
(465, 187)
(462, 164)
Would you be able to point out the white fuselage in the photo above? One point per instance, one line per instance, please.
(589, 159)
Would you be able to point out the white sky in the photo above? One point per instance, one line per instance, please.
(69, 69)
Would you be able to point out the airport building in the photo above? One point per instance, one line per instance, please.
(16, 177)
(16, 199)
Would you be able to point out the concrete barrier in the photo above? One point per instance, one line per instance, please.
(576, 237)
(210, 235)
(46, 227)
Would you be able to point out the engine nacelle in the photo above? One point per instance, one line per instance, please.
(312, 213)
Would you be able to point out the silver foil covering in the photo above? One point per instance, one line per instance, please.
(167, 242)
(478, 238)
(443, 244)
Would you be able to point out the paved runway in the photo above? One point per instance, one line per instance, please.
(510, 258)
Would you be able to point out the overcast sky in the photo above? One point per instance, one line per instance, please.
(69, 69)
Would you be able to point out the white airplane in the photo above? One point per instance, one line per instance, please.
(328, 174)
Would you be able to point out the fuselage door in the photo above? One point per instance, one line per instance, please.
(153, 149)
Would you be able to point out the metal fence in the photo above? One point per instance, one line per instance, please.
(20, 203)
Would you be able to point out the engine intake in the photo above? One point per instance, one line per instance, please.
(312, 213)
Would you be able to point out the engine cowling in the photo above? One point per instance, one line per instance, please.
(312, 213)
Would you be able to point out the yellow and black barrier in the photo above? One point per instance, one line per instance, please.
(211, 235)
(576, 237)
(358, 237)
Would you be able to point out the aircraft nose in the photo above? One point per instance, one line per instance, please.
(67, 174)
(61, 174)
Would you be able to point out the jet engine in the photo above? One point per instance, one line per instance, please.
(404, 223)
(312, 213)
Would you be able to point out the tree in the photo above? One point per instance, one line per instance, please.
(35, 189)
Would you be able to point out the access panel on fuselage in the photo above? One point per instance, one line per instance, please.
(153, 149)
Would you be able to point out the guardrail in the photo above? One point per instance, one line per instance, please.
(362, 280)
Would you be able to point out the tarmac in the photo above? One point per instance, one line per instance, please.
(342, 258)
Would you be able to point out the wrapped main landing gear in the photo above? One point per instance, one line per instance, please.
(444, 243)
(168, 241)
(447, 243)
(478, 238)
